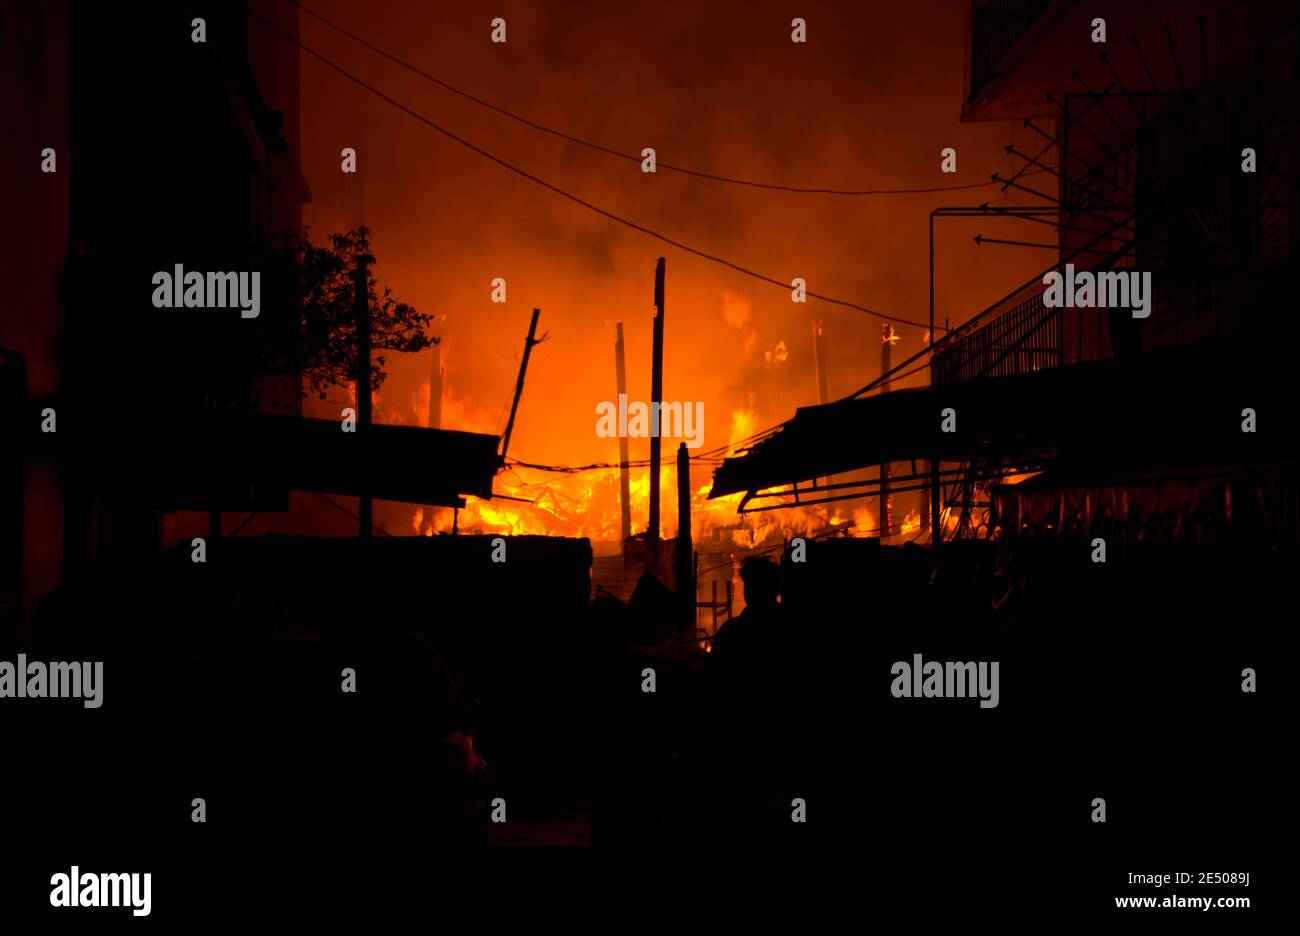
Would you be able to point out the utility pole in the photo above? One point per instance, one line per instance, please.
(656, 403)
(819, 361)
(434, 418)
(519, 387)
(624, 481)
(887, 338)
(435, 384)
(823, 392)
(361, 280)
(682, 555)
(936, 495)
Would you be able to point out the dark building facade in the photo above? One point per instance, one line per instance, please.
(164, 152)
(1167, 152)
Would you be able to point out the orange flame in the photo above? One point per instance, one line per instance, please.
(586, 504)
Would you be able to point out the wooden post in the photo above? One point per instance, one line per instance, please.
(656, 401)
(695, 586)
(435, 388)
(361, 280)
(624, 479)
(819, 362)
(519, 387)
(682, 557)
(823, 391)
(936, 534)
(434, 419)
(887, 339)
(925, 491)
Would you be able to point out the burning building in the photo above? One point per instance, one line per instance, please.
(378, 609)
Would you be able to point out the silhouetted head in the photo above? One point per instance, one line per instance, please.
(762, 578)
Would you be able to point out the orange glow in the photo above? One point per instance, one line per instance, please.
(447, 222)
(585, 504)
(736, 310)
(1013, 479)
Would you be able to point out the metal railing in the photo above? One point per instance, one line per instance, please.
(1174, 223)
(1026, 337)
(1020, 334)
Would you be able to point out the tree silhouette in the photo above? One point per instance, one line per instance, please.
(308, 324)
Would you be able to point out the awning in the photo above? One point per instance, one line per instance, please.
(252, 461)
(1183, 406)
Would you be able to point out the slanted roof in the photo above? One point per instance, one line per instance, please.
(251, 461)
(1183, 405)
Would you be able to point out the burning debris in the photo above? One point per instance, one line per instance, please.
(586, 505)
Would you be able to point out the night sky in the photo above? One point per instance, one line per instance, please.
(869, 101)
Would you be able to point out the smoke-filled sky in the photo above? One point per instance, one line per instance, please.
(869, 101)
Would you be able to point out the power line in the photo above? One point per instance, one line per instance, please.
(712, 453)
(723, 450)
(613, 152)
(574, 198)
(575, 469)
(598, 466)
(834, 532)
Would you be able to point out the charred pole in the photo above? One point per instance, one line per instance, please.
(819, 366)
(435, 387)
(531, 340)
(682, 556)
(819, 361)
(361, 280)
(434, 418)
(887, 338)
(935, 497)
(624, 481)
(656, 402)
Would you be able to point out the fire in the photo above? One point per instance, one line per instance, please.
(911, 523)
(744, 423)
(586, 504)
(736, 310)
(1017, 477)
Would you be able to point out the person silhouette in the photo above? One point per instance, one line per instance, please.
(747, 681)
(744, 644)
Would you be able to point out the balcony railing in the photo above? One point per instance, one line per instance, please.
(1020, 334)
(1158, 199)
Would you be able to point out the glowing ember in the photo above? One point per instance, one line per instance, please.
(778, 354)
